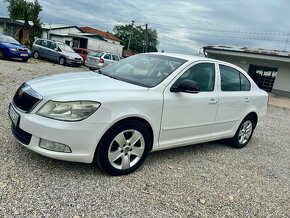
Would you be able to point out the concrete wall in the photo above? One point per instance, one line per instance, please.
(282, 83)
(96, 44)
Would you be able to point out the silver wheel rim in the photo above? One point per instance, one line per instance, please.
(36, 55)
(245, 132)
(126, 149)
(61, 61)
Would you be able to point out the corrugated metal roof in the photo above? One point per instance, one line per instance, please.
(258, 51)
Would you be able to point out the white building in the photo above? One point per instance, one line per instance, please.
(85, 37)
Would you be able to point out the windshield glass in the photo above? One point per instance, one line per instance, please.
(8, 39)
(66, 48)
(96, 54)
(146, 70)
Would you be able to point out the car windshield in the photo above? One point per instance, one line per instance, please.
(66, 48)
(95, 54)
(146, 70)
(8, 39)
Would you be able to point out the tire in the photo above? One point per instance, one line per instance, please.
(62, 61)
(36, 54)
(2, 55)
(244, 133)
(24, 59)
(124, 148)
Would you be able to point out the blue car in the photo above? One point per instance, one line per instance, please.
(10, 48)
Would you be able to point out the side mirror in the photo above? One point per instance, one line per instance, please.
(187, 86)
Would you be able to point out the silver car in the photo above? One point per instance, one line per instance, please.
(96, 60)
(56, 51)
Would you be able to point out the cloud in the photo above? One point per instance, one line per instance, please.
(183, 26)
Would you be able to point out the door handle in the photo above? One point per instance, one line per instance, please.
(212, 101)
(247, 100)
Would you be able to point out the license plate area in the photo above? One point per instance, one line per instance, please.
(14, 116)
(24, 55)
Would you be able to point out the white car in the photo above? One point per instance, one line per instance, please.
(144, 103)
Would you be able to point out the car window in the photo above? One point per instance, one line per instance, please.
(38, 42)
(230, 79)
(233, 80)
(95, 54)
(52, 46)
(78, 51)
(245, 83)
(45, 43)
(115, 57)
(85, 52)
(203, 74)
(108, 56)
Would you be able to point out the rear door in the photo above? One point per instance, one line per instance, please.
(107, 59)
(189, 117)
(234, 100)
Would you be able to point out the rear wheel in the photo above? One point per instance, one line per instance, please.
(36, 55)
(2, 55)
(124, 148)
(244, 133)
(62, 61)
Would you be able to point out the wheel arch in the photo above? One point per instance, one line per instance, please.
(254, 116)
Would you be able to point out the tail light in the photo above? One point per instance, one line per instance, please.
(102, 60)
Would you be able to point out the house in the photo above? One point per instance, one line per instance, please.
(16, 29)
(83, 38)
(270, 69)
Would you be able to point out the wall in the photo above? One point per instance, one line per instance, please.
(282, 83)
(96, 44)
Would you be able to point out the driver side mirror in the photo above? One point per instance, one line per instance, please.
(187, 86)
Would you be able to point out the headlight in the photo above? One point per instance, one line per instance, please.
(13, 49)
(68, 111)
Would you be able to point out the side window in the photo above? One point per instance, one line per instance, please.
(52, 46)
(203, 74)
(115, 57)
(245, 83)
(107, 56)
(78, 51)
(38, 42)
(44, 43)
(233, 80)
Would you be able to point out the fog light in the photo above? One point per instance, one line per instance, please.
(54, 146)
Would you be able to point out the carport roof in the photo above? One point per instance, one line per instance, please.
(249, 52)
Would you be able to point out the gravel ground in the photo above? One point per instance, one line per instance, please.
(205, 180)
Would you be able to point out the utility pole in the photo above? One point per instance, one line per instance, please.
(130, 34)
(146, 37)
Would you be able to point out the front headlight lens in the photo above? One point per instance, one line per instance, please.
(68, 111)
(13, 49)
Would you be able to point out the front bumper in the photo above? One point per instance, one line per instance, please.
(81, 137)
(94, 65)
(17, 54)
(74, 62)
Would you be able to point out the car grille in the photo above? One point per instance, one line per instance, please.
(78, 59)
(26, 98)
(21, 135)
(22, 50)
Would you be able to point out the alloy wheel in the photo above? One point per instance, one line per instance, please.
(245, 132)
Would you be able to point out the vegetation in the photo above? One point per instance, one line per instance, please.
(27, 11)
(138, 38)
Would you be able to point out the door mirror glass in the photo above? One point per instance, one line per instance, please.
(187, 86)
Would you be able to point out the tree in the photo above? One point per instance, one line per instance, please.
(27, 11)
(137, 42)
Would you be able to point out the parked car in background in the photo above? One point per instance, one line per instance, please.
(144, 103)
(56, 51)
(10, 48)
(83, 52)
(96, 60)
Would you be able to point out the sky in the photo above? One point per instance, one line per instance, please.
(183, 26)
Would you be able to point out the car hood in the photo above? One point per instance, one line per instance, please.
(13, 45)
(80, 84)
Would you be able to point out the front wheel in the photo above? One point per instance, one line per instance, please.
(244, 133)
(2, 55)
(62, 61)
(124, 148)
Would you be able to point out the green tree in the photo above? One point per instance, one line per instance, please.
(137, 42)
(27, 11)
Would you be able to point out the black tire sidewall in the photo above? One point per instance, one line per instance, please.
(2, 55)
(101, 156)
(235, 140)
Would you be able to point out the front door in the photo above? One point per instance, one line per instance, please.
(189, 117)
